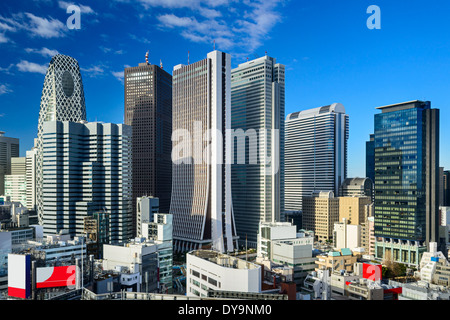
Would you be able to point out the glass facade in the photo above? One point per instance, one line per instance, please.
(399, 175)
(406, 204)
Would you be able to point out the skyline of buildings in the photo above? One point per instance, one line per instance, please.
(86, 168)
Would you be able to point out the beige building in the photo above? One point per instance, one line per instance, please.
(353, 209)
(360, 290)
(320, 213)
(336, 260)
(368, 236)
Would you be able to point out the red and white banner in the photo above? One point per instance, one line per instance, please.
(19, 276)
(372, 271)
(52, 277)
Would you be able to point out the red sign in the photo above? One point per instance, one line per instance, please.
(52, 277)
(372, 271)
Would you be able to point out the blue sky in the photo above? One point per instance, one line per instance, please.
(329, 53)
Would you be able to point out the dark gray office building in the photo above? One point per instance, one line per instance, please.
(9, 148)
(148, 109)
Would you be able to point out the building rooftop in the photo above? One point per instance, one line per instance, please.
(335, 108)
(224, 260)
(405, 105)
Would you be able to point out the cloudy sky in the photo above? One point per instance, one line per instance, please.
(329, 53)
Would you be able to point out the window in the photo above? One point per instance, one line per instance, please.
(212, 281)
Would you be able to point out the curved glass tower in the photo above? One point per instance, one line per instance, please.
(62, 100)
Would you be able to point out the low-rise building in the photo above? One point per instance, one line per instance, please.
(211, 270)
(362, 289)
(346, 235)
(336, 260)
(281, 244)
(320, 212)
(139, 257)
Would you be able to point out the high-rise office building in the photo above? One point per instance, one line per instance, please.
(86, 170)
(257, 114)
(315, 152)
(441, 186)
(62, 100)
(370, 158)
(16, 183)
(148, 110)
(9, 148)
(446, 182)
(201, 201)
(406, 180)
(30, 172)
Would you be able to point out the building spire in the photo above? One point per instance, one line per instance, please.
(146, 58)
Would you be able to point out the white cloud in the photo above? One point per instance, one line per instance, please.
(119, 75)
(45, 52)
(4, 90)
(83, 8)
(45, 28)
(3, 38)
(7, 69)
(243, 25)
(6, 27)
(193, 4)
(93, 71)
(26, 66)
(108, 50)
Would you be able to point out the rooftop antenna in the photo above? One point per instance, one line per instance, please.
(146, 57)
(188, 57)
(214, 45)
(266, 53)
(161, 64)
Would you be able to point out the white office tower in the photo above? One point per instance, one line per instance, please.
(30, 174)
(201, 201)
(315, 152)
(62, 100)
(257, 113)
(15, 183)
(86, 170)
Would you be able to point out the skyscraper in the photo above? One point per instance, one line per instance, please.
(201, 201)
(315, 152)
(446, 182)
(370, 158)
(16, 183)
(30, 173)
(9, 148)
(87, 171)
(148, 110)
(62, 100)
(257, 112)
(406, 180)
